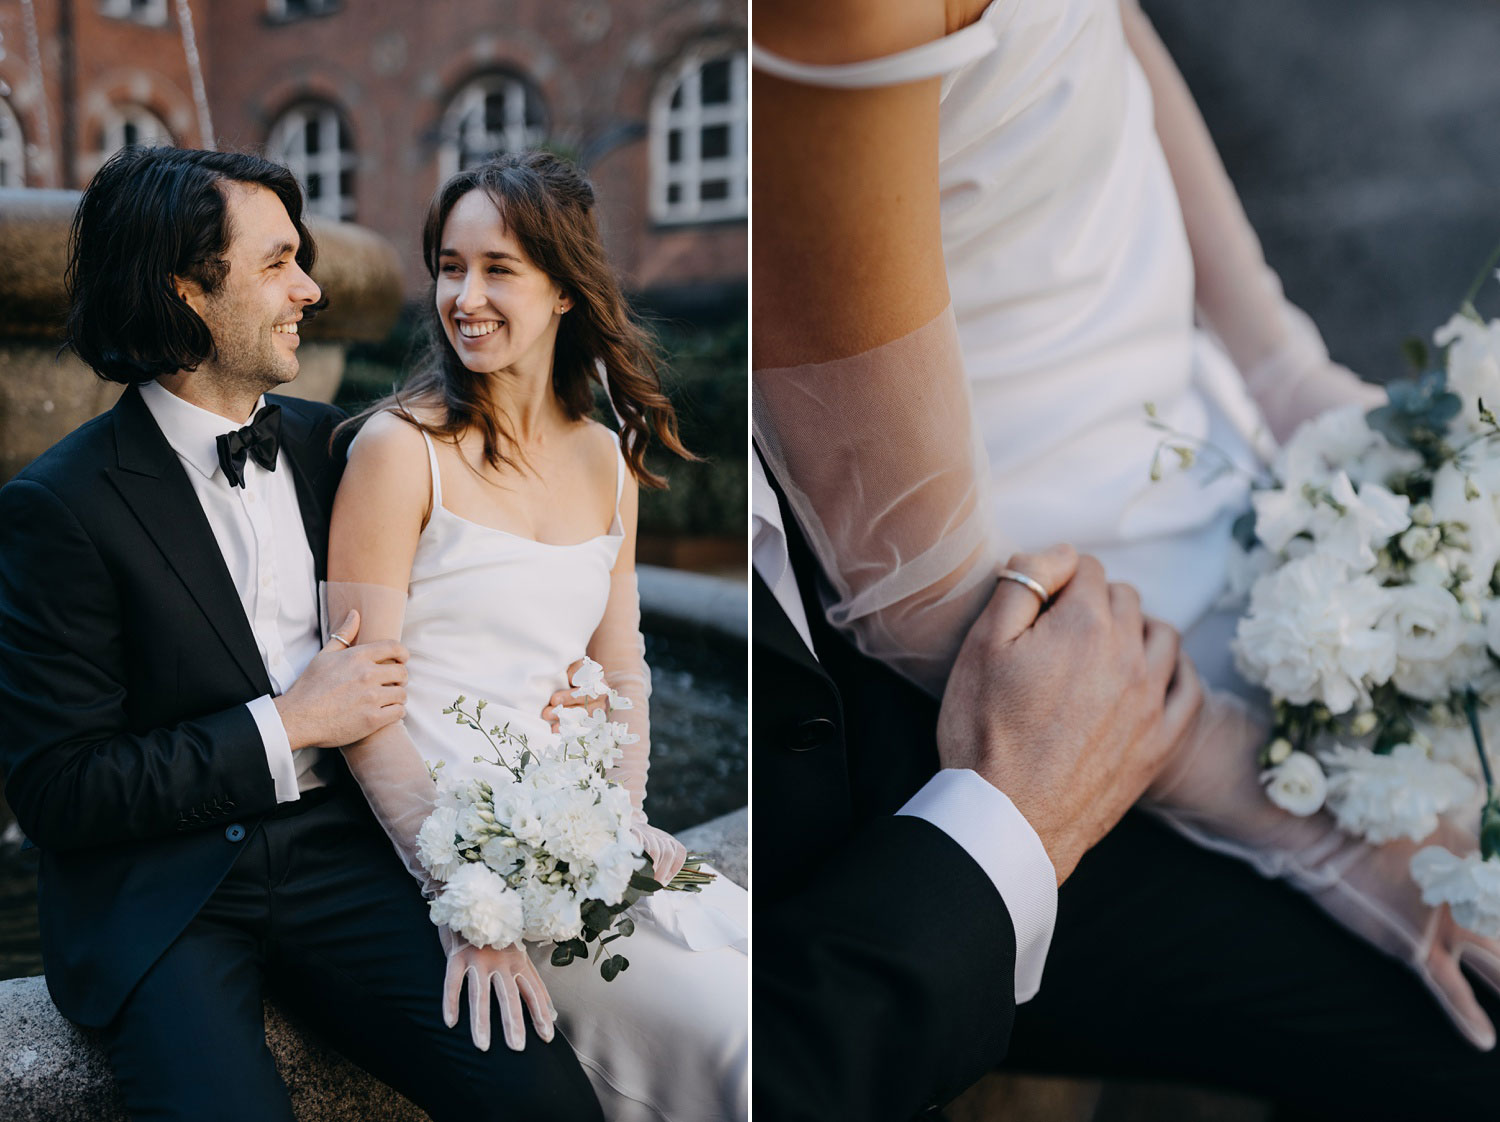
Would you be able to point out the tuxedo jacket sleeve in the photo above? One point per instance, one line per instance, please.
(80, 774)
(884, 956)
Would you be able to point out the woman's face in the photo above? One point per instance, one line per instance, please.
(499, 311)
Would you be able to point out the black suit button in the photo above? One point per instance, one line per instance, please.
(235, 833)
(812, 733)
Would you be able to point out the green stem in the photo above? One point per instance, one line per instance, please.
(1471, 710)
(1484, 275)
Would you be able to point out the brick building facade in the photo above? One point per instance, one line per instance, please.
(373, 102)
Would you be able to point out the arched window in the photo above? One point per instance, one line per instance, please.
(142, 11)
(131, 124)
(314, 143)
(698, 138)
(12, 148)
(493, 114)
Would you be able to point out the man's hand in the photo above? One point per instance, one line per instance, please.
(1071, 711)
(346, 693)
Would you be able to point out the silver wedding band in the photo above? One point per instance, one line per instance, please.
(1022, 579)
(340, 638)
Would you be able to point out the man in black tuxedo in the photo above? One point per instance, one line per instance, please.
(890, 947)
(172, 715)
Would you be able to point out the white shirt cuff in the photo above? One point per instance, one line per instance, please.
(278, 747)
(979, 817)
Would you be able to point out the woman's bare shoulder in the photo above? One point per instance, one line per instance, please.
(840, 31)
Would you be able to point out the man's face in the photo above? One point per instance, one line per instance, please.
(254, 313)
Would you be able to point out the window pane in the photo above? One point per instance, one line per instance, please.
(346, 184)
(132, 136)
(714, 142)
(714, 189)
(716, 82)
(494, 112)
(677, 97)
(313, 134)
(314, 185)
(674, 146)
(674, 192)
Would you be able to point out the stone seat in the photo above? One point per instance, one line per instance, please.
(50, 1071)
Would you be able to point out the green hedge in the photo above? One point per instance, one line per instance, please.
(706, 377)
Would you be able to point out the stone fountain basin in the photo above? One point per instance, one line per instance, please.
(46, 392)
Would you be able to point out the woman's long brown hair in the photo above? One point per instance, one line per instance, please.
(548, 206)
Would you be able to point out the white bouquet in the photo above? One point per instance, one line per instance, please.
(543, 850)
(1370, 562)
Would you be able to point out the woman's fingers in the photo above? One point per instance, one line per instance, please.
(453, 984)
(479, 1008)
(512, 1022)
(534, 994)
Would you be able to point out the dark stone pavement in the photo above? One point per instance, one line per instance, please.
(1364, 138)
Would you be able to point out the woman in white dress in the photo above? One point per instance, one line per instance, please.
(490, 524)
(982, 232)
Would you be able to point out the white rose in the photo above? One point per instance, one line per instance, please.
(1419, 542)
(1384, 797)
(1470, 886)
(1297, 784)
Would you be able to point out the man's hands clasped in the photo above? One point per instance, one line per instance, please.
(1069, 711)
(347, 692)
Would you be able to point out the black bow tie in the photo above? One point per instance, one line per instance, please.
(260, 439)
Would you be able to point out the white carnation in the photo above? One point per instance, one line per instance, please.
(1470, 886)
(481, 907)
(1384, 797)
(1297, 784)
(552, 913)
(1313, 634)
(436, 846)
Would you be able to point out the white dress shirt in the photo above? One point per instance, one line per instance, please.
(966, 807)
(261, 537)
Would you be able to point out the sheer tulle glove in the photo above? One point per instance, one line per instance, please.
(509, 973)
(1276, 347)
(1210, 791)
(667, 854)
(387, 766)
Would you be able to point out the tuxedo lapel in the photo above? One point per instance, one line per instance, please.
(151, 480)
(309, 465)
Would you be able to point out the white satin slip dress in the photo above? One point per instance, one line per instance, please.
(493, 615)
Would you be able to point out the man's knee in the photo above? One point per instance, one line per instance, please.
(544, 1083)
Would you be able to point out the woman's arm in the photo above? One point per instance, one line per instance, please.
(378, 514)
(861, 403)
(1275, 346)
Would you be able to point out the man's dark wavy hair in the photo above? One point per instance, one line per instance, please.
(149, 215)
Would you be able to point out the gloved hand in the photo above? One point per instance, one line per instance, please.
(667, 854)
(1210, 792)
(509, 972)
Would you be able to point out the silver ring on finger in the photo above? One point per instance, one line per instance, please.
(340, 638)
(1027, 582)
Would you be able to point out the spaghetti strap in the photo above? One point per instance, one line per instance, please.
(620, 472)
(437, 480)
(936, 59)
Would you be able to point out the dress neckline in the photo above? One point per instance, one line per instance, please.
(616, 530)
